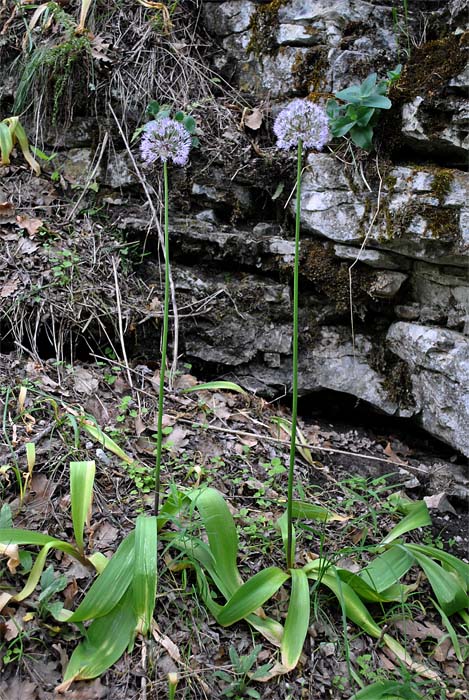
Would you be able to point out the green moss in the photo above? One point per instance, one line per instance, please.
(395, 375)
(264, 25)
(441, 185)
(309, 70)
(330, 276)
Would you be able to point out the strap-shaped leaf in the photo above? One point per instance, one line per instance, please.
(297, 622)
(395, 592)
(417, 517)
(81, 496)
(445, 584)
(215, 386)
(106, 640)
(110, 586)
(6, 143)
(387, 568)
(311, 511)
(449, 561)
(252, 595)
(222, 537)
(144, 571)
(20, 135)
(384, 690)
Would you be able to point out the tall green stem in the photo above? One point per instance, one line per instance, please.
(164, 343)
(294, 410)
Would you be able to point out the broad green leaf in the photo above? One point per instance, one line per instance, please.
(395, 592)
(387, 568)
(448, 560)
(20, 135)
(109, 444)
(310, 511)
(190, 123)
(222, 536)
(252, 595)
(367, 86)
(144, 571)
(362, 136)
(364, 115)
(110, 586)
(353, 607)
(6, 143)
(377, 101)
(297, 622)
(282, 522)
(341, 126)
(215, 386)
(445, 584)
(387, 690)
(417, 517)
(81, 496)
(106, 640)
(351, 94)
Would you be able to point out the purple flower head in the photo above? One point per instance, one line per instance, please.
(165, 139)
(304, 120)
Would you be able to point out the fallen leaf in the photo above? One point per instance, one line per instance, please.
(254, 120)
(10, 286)
(439, 501)
(167, 644)
(7, 213)
(389, 452)
(176, 440)
(11, 551)
(84, 382)
(19, 690)
(184, 381)
(31, 225)
(26, 246)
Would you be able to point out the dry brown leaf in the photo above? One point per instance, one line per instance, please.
(99, 48)
(10, 551)
(185, 381)
(167, 644)
(389, 452)
(84, 382)
(254, 120)
(26, 247)
(10, 287)
(30, 224)
(20, 690)
(140, 426)
(7, 213)
(177, 439)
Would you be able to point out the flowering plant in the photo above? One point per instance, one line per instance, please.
(165, 139)
(305, 125)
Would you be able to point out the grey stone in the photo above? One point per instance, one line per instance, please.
(386, 284)
(119, 171)
(439, 364)
(371, 257)
(76, 166)
(225, 18)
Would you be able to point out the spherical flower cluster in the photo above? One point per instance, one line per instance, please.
(165, 139)
(304, 120)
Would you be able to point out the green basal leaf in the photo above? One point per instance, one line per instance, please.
(310, 511)
(332, 109)
(179, 116)
(282, 523)
(6, 143)
(222, 537)
(97, 434)
(341, 126)
(387, 568)
(351, 94)
(252, 595)
(449, 561)
(445, 584)
(20, 135)
(106, 640)
(451, 633)
(395, 592)
(364, 115)
(153, 108)
(109, 587)
(215, 386)
(387, 690)
(297, 622)
(81, 495)
(418, 517)
(144, 572)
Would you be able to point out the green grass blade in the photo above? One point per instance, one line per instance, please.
(451, 633)
(81, 495)
(215, 386)
(297, 622)
(252, 595)
(110, 586)
(106, 640)
(222, 536)
(417, 517)
(144, 571)
(387, 568)
(282, 522)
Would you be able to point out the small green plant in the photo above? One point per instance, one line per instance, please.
(50, 585)
(238, 687)
(359, 108)
(63, 262)
(12, 133)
